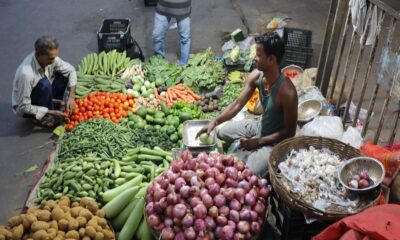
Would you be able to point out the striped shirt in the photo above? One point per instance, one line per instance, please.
(178, 9)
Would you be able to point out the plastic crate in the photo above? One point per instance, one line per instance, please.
(298, 47)
(114, 34)
(149, 3)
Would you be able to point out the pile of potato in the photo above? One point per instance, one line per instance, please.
(62, 220)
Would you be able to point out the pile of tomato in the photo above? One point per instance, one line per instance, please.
(112, 106)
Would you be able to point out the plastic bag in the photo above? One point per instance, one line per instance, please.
(324, 126)
(133, 50)
(352, 137)
(388, 158)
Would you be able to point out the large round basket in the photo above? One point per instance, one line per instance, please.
(292, 199)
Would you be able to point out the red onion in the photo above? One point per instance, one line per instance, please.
(249, 199)
(245, 185)
(202, 157)
(259, 208)
(168, 222)
(211, 173)
(150, 208)
(232, 224)
(245, 215)
(234, 216)
(224, 210)
(239, 236)
(179, 210)
(200, 211)
(235, 205)
(149, 198)
(210, 223)
(163, 203)
(190, 164)
(180, 236)
(168, 211)
(363, 183)
(188, 220)
(177, 165)
(210, 235)
(254, 216)
(172, 177)
(190, 234)
(177, 221)
(231, 183)
(263, 192)
(213, 189)
(184, 191)
(200, 173)
(153, 220)
(219, 166)
(255, 227)
(363, 175)
(157, 207)
(243, 227)
(204, 166)
(209, 181)
(207, 200)
(172, 198)
(213, 211)
(167, 234)
(262, 182)
(179, 182)
(211, 161)
(222, 220)
(231, 172)
(194, 201)
(226, 233)
(159, 227)
(229, 161)
(199, 225)
(239, 194)
(219, 200)
(239, 165)
(247, 173)
(220, 158)
(188, 174)
(229, 193)
(194, 191)
(163, 182)
(158, 194)
(220, 178)
(253, 180)
(214, 154)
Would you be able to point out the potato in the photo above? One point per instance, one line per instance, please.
(5, 232)
(86, 214)
(82, 221)
(40, 235)
(52, 233)
(108, 234)
(72, 234)
(32, 210)
(15, 221)
(28, 219)
(99, 228)
(92, 223)
(42, 204)
(86, 238)
(74, 204)
(99, 236)
(102, 222)
(90, 231)
(2, 237)
(17, 231)
(39, 225)
(100, 213)
(92, 206)
(43, 215)
(57, 213)
(51, 204)
(73, 224)
(75, 211)
(61, 234)
(63, 224)
(64, 201)
(54, 225)
(65, 209)
(82, 232)
(58, 238)
(84, 202)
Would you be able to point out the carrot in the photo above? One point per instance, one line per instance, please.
(179, 87)
(155, 92)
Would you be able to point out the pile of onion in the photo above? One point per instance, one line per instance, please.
(207, 197)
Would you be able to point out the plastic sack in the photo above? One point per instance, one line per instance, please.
(388, 158)
(352, 137)
(361, 116)
(324, 126)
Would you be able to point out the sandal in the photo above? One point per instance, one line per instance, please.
(45, 122)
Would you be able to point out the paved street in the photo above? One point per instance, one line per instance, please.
(75, 23)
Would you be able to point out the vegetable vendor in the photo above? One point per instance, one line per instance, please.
(252, 139)
(40, 83)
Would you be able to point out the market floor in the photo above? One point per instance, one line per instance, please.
(75, 23)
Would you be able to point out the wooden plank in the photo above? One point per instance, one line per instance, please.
(392, 7)
(370, 63)
(393, 135)
(359, 57)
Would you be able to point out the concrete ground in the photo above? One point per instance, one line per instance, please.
(75, 23)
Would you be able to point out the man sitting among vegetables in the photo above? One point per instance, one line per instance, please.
(40, 82)
(253, 138)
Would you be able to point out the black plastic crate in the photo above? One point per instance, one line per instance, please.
(149, 3)
(114, 34)
(298, 47)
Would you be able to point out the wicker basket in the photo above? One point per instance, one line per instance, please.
(293, 199)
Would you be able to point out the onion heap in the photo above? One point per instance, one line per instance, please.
(208, 197)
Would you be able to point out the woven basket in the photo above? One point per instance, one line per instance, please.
(292, 199)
